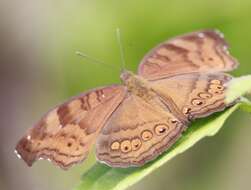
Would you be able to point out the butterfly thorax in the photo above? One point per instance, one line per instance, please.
(137, 85)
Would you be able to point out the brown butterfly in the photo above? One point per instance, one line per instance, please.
(132, 123)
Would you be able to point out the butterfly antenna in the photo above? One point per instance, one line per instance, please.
(94, 60)
(122, 57)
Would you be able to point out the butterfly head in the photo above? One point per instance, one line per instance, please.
(126, 76)
(136, 84)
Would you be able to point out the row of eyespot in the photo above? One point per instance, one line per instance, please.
(127, 145)
(214, 88)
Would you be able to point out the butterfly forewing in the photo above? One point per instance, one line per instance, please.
(203, 51)
(64, 135)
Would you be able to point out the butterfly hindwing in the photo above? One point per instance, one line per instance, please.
(64, 135)
(202, 51)
(195, 95)
(137, 132)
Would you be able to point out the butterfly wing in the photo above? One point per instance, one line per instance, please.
(64, 135)
(202, 51)
(137, 132)
(195, 95)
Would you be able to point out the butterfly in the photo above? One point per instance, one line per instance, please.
(134, 122)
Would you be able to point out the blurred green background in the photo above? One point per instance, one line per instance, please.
(39, 69)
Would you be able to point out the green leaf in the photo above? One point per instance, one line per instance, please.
(102, 177)
(238, 87)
